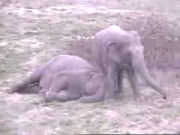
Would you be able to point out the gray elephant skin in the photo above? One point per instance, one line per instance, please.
(64, 78)
(117, 51)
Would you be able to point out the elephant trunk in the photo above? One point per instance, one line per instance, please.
(141, 68)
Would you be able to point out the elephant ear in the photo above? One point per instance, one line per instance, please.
(113, 51)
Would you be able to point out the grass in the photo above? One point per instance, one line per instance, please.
(11, 61)
(162, 24)
(147, 5)
(39, 37)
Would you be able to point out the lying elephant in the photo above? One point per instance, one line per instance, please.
(64, 78)
(117, 51)
(71, 85)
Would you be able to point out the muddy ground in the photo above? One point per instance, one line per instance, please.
(33, 32)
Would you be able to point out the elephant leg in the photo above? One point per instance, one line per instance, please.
(98, 96)
(31, 80)
(63, 96)
(59, 83)
(93, 84)
(120, 81)
(112, 82)
(67, 96)
(34, 89)
(42, 92)
(134, 82)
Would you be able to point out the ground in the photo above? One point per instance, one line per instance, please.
(33, 32)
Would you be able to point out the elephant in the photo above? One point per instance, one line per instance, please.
(117, 51)
(64, 78)
(74, 84)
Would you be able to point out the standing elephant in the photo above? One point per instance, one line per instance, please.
(64, 78)
(117, 51)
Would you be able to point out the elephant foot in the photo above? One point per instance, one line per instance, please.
(65, 96)
(50, 97)
(119, 96)
(110, 101)
(42, 93)
(11, 91)
(164, 96)
(14, 89)
(110, 97)
(139, 99)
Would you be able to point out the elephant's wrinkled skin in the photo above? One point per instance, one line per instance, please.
(64, 78)
(117, 51)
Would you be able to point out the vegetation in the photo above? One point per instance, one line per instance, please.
(31, 32)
